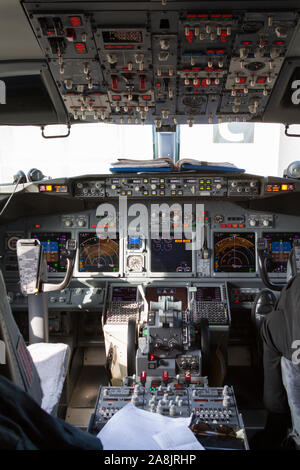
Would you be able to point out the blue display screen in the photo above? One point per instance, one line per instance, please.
(280, 245)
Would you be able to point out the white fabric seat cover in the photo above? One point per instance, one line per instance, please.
(51, 361)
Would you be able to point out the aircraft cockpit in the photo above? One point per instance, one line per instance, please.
(149, 220)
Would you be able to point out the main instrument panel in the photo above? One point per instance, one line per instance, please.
(179, 207)
(163, 63)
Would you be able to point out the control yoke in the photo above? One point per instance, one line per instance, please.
(32, 267)
(263, 256)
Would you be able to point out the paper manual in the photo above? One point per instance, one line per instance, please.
(134, 429)
(166, 162)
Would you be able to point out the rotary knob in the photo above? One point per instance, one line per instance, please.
(266, 222)
(81, 223)
(68, 223)
(252, 222)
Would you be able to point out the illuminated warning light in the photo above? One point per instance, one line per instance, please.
(49, 187)
(60, 188)
(42, 188)
(241, 80)
(116, 97)
(210, 52)
(37, 226)
(279, 43)
(204, 82)
(80, 48)
(152, 357)
(190, 37)
(261, 80)
(94, 225)
(227, 15)
(246, 43)
(191, 15)
(215, 15)
(284, 187)
(196, 69)
(146, 97)
(75, 21)
(220, 52)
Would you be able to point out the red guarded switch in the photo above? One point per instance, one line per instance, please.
(165, 376)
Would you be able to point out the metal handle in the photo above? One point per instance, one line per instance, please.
(289, 135)
(56, 136)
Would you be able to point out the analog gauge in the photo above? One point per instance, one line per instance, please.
(219, 218)
(135, 263)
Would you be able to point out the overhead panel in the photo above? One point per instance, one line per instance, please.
(163, 66)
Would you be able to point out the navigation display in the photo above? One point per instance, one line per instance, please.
(208, 294)
(54, 245)
(171, 256)
(234, 252)
(97, 255)
(124, 294)
(280, 245)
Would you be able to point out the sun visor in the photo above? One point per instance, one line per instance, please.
(28, 95)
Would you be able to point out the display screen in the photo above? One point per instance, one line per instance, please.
(171, 256)
(234, 252)
(124, 294)
(208, 294)
(122, 36)
(280, 245)
(134, 243)
(54, 245)
(97, 255)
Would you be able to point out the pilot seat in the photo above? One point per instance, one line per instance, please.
(41, 368)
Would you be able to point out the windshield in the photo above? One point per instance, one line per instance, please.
(261, 149)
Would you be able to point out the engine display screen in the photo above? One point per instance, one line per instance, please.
(280, 245)
(54, 245)
(124, 294)
(208, 294)
(171, 256)
(97, 255)
(234, 252)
